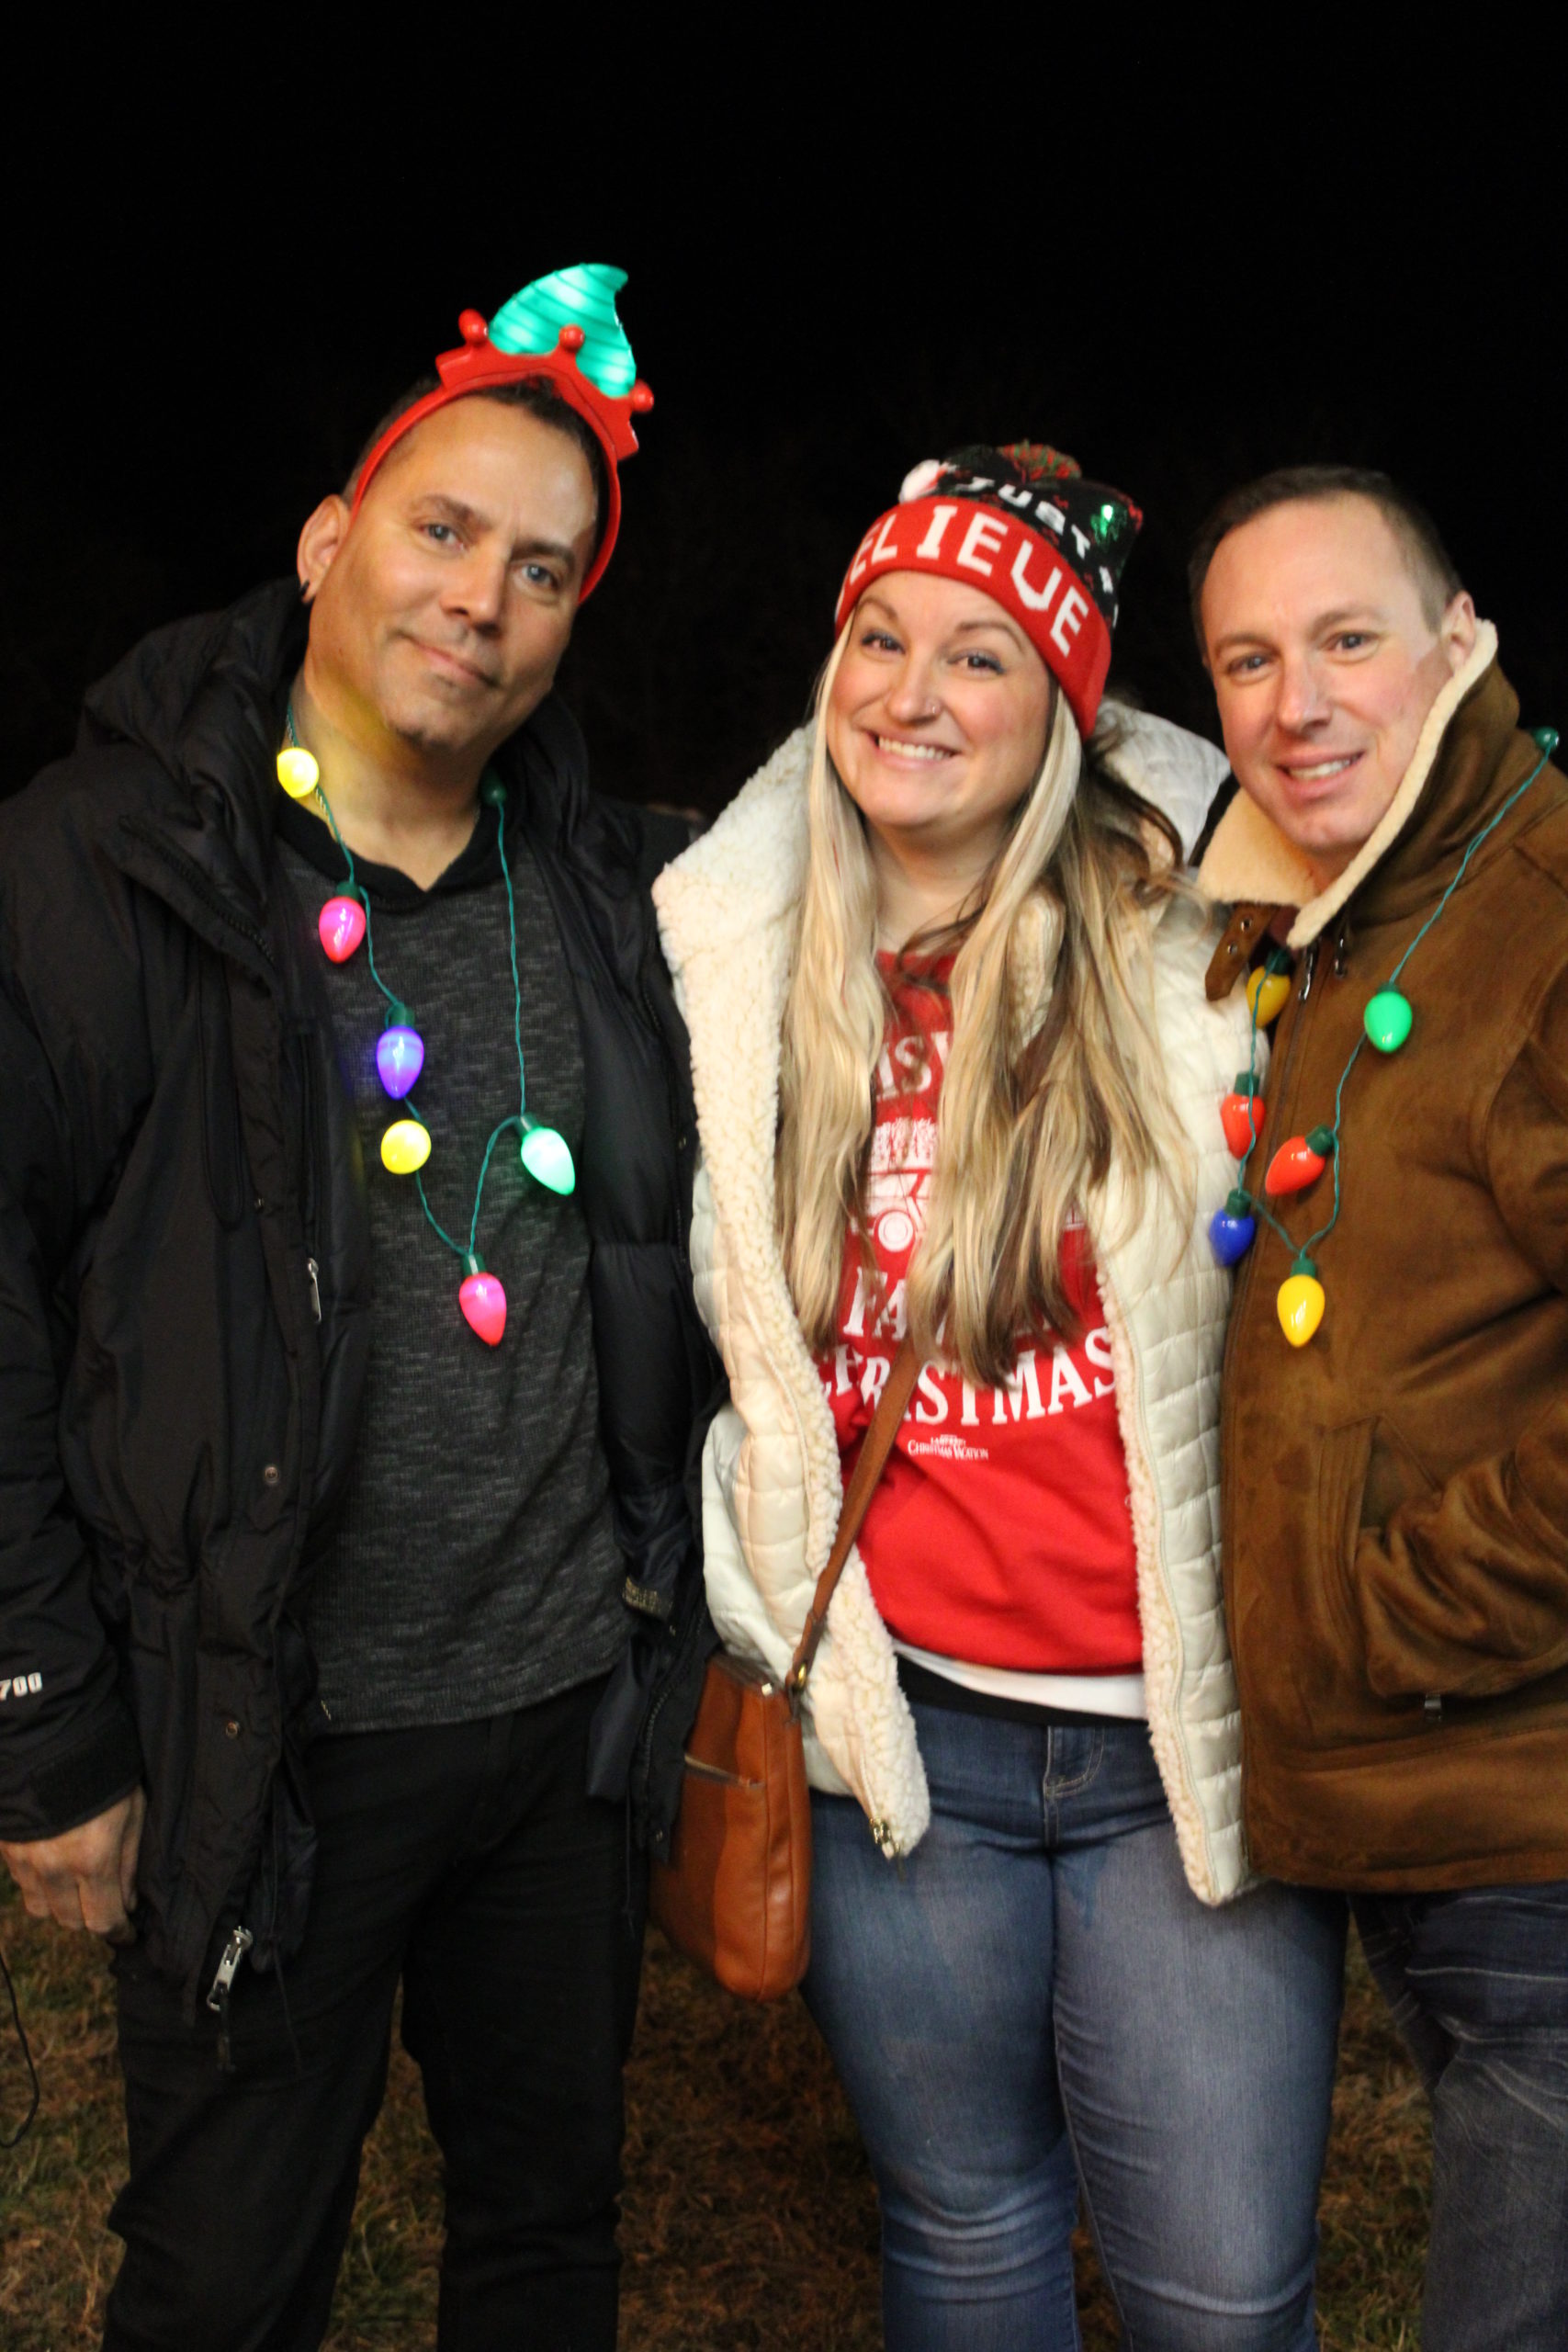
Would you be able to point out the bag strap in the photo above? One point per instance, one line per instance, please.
(891, 1407)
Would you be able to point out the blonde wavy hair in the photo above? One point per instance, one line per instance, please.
(1055, 1074)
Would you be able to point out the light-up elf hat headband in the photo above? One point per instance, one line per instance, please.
(562, 331)
(1023, 523)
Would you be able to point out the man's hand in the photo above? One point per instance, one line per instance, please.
(87, 1877)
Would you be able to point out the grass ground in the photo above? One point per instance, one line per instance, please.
(751, 2220)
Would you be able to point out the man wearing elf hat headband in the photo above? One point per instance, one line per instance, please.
(1396, 1385)
(347, 1362)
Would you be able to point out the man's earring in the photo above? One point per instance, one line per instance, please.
(304, 592)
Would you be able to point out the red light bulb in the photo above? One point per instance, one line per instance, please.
(1299, 1162)
(483, 1302)
(1241, 1116)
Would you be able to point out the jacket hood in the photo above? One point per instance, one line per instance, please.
(1176, 772)
(203, 697)
(1454, 778)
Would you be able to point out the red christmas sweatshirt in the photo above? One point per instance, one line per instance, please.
(1001, 1534)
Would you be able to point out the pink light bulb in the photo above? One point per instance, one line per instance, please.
(342, 927)
(483, 1303)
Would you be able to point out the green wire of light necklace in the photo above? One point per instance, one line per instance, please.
(393, 1004)
(1254, 1125)
(512, 946)
(516, 1118)
(1305, 1249)
(1257, 1206)
(396, 1005)
(457, 1248)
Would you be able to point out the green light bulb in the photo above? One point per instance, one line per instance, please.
(1388, 1020)
(1106, 523)
(547, 1156)
(581, 297)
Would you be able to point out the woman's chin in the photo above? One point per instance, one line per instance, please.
(896, 803)
(925, 832)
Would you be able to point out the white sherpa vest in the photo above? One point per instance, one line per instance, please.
(772, 1486)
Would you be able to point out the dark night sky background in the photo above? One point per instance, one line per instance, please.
(1181, 277)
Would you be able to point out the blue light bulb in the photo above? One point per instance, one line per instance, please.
(1233, 1230)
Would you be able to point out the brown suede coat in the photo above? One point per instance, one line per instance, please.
(1395, 1493)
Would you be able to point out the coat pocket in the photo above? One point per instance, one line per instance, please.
(1344, 1456)
(1365, 1471)
(1396, 1475)
(278, 1898)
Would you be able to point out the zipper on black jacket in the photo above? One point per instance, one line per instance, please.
(683, 1642)
(206, 890)
(657, 1841)
(233, 1952)
(313, 1150)
(682, 1175)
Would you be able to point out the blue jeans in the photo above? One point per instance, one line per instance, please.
(1036, 1983)
(1478, 1984)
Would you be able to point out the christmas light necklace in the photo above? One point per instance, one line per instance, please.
(1385, 1025)
(399, 1050)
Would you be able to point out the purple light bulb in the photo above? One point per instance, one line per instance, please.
(399, 1057)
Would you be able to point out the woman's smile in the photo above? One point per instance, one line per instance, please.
(901, 751)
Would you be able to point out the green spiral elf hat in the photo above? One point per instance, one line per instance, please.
(583, 297)
(563, 331)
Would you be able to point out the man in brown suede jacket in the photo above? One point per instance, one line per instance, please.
(1395, 1489)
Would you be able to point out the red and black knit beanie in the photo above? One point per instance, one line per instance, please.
(1023, 523)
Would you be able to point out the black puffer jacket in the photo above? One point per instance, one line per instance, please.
(182, 1197)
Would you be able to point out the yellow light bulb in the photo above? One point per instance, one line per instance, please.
(298, 772)
(1266, 996)
(1300, 1304)
(405, 1146)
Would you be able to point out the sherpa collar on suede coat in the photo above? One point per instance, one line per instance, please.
(1250, 861)
(1396, 1492)
(772, 1487)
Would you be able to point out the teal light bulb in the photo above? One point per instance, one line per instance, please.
(547, 1156)
(1388, 1020)
(581, 297)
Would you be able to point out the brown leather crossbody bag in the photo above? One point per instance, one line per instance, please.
(735, 1894)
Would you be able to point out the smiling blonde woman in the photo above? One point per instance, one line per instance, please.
(957, 1076)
